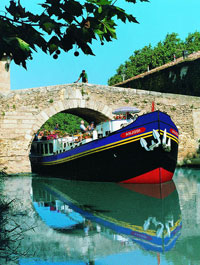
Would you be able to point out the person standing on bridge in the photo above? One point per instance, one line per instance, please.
(84, 77)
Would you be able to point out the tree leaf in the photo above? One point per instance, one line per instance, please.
(70, 21)
(23, 45)
(48, 27)
(100, 9)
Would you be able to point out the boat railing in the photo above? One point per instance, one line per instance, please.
(53, 144)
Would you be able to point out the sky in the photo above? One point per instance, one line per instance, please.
(156, 19)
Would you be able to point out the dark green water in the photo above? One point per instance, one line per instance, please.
(66, 222)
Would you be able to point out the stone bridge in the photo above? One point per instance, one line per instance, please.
(23, 112)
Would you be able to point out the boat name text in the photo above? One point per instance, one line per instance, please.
(174, 132)
(133, 132)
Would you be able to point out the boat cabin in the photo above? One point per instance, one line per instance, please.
(44, 147)
(105, 128)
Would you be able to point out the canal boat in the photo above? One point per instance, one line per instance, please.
(131, 148)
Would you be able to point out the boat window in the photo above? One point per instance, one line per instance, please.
(64, 144)
(51, 148)
(41, 149)
(100, 135)
(38, 148)
(46, 149)
(107, 133)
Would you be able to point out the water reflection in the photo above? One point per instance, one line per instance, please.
(103, 224)
(136, 216)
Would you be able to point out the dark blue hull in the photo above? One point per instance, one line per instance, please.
(120, 156)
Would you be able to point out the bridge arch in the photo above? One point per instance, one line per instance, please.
(89, 111)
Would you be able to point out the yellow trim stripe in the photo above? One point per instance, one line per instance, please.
(108, 146)
(173, 137)
(99, 149)
(135, 228)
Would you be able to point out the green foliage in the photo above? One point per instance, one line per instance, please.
(151, 57)
(83, 92)
(67, 123)
(173, 108)
(61, 25)
(192, 42)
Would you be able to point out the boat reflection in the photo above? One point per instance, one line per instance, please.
(147, 214)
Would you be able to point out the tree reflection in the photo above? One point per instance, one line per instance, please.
(11, 231)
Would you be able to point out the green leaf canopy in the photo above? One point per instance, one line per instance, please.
(151, 57)
(61, 25)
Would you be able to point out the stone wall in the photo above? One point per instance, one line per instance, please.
(23, 112)
(178, 77)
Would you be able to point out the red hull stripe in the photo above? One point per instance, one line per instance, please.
(158, 175)
(174, 132)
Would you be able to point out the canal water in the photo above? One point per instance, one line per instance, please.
(58, 222)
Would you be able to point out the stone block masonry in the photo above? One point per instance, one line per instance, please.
(181, 76)
(23, 112)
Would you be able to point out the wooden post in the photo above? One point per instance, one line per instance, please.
(153, 106)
